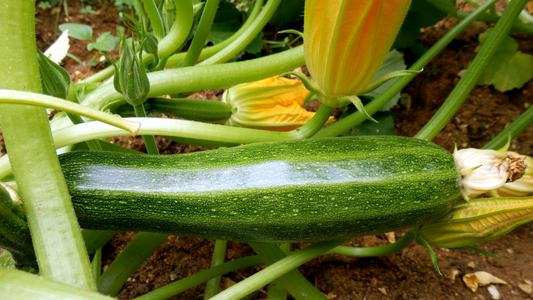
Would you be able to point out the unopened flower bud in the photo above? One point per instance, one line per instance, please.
(476, 221)
(130, 76)
(54, 79)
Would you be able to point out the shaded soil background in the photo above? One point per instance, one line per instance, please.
(408, 274)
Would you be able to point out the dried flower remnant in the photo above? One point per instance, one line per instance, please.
(481, 278)
(522, 186)
(482, 170)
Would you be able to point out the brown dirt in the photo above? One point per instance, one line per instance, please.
(408, 274)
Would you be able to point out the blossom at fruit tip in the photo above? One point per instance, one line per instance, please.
(523, 186)
(345, 42)
(273, 103)
(482, 170)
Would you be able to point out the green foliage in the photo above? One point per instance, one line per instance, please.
(105, 42)
(78, 31)
(384, 125)
(288, 11)
(227, 21)
(421, 14)
(393, 62)
(88, 9)
(509, 68)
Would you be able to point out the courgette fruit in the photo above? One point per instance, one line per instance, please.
(289, 191)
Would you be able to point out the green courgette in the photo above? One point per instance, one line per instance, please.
(289, 191)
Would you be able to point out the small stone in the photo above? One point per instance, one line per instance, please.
(471, 265)
(493, 290)
(526, 287)
(390, 237)
(454, 274)
(383, 290)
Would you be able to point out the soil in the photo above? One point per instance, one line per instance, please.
(408, 274)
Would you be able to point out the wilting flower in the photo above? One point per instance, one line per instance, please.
(272, 104)
(476, 221)
(345, 43)
(482, 170)
(523, 185)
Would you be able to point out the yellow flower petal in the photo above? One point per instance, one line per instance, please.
(271, 104)
(345, 42)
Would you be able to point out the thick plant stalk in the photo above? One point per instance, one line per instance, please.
(56, 236)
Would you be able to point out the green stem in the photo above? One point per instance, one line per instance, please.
(175, 59)
(131, 258)
(276, 270)
(149, 140)
(197, 78)
(512, 131)
(96, 239)
(470, 78)
(357, 117)
(16, 285)
(155, 18)
(180, 30)
(276, 290)
(200, 36)
(56, 236)
(40, 100)
(184, 284)
(96, 264)
(246, 37)
(401, 244)
(219, 255)
(297, 285)
(241, 263)
(188, 109)
(192, 131)
(93, 145)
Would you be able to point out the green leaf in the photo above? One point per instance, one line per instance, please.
(421, 14)
(256, 45)
(105, 42)
(385, 125)
(509, 68)
(227, 21)
(393, 62)
(447, 6)
(288, 11)
(78, 31)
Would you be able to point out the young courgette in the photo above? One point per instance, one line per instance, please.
(289, 191)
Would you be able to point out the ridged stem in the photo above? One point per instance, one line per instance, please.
(149, 140)
(470, 78)
(246, 37)
(56, 236)
(198, 41)
(135, 253)
(297, 285)
(196, 78)
(219, 255)
(276, 290)
(155, 18)
(357, 117)
(17, 285)
(276, 270)
(241, 263)
(512, 131)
